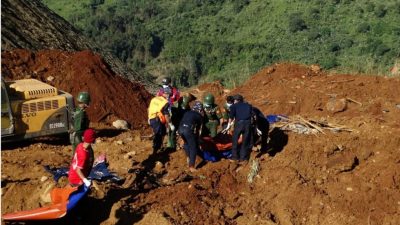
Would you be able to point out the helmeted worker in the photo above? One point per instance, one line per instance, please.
(180, 108)
(159, 118)
(212, 116)
(172, 102)
(189, 129)
(81, 119)
(241, 113)
(175, 94)
(226, 110)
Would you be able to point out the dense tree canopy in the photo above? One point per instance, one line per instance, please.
(202, 40)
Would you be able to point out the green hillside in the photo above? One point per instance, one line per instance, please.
(203, 40)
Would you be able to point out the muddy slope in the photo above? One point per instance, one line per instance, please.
(337, 178)
(113, 97)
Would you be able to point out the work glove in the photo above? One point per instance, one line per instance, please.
(227, 128)
(87, 182)
(259, 132)
(171, 127)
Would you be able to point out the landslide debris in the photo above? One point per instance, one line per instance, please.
(113, 97)
(340, 178)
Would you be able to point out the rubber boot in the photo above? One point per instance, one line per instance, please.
(171, 140)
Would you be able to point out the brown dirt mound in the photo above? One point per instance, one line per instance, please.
(297, 89)
(340, 178)
(214, 88)
(112, 96)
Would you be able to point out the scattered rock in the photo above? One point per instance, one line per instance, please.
(332, 148)
(129, 154)
(50, 78)
(231, 212)
(315, 68)
(4, 177)
(349, 189)
(343, 162)
(158, 168)
(119, 142)
(120, 124)
(270, 70)
(336, 105)
(44, 178)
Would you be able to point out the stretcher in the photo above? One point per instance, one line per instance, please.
(63, 200)
(221, 142)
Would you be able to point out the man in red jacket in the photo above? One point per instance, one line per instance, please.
(83, 159)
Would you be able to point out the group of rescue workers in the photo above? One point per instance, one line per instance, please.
(169, 114)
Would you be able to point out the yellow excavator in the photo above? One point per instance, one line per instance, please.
(31, 108)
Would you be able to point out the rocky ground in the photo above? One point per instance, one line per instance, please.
(337, 178)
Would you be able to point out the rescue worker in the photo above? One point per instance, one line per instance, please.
(189, 129)
(179, 109)
(212, 117)
(241, 113)
(159, 118)
(175, 94)
(80, 168)
(80, 118)
(178, 112)
(260, 129)
(172, 102)
(226, 110)
(82, 161)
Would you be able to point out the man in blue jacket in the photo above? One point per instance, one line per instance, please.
(241, 113)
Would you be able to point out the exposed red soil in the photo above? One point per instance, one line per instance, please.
(338, 178)
(112, 96)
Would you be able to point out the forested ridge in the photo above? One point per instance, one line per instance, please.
(228, 40)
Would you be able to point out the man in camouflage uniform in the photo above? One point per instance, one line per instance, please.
(81, 120)
(226, 110)
(213, 116)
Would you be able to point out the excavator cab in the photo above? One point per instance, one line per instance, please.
(31, 108)
(7, 119)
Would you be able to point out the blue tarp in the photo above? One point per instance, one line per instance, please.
(99, 172)
(273, 118)
(76, 196)
(214, 156)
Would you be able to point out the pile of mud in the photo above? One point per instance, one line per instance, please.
(336, 178)
(112, 96)
(298, 89)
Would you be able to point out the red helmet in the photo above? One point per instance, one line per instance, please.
(89, 136)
